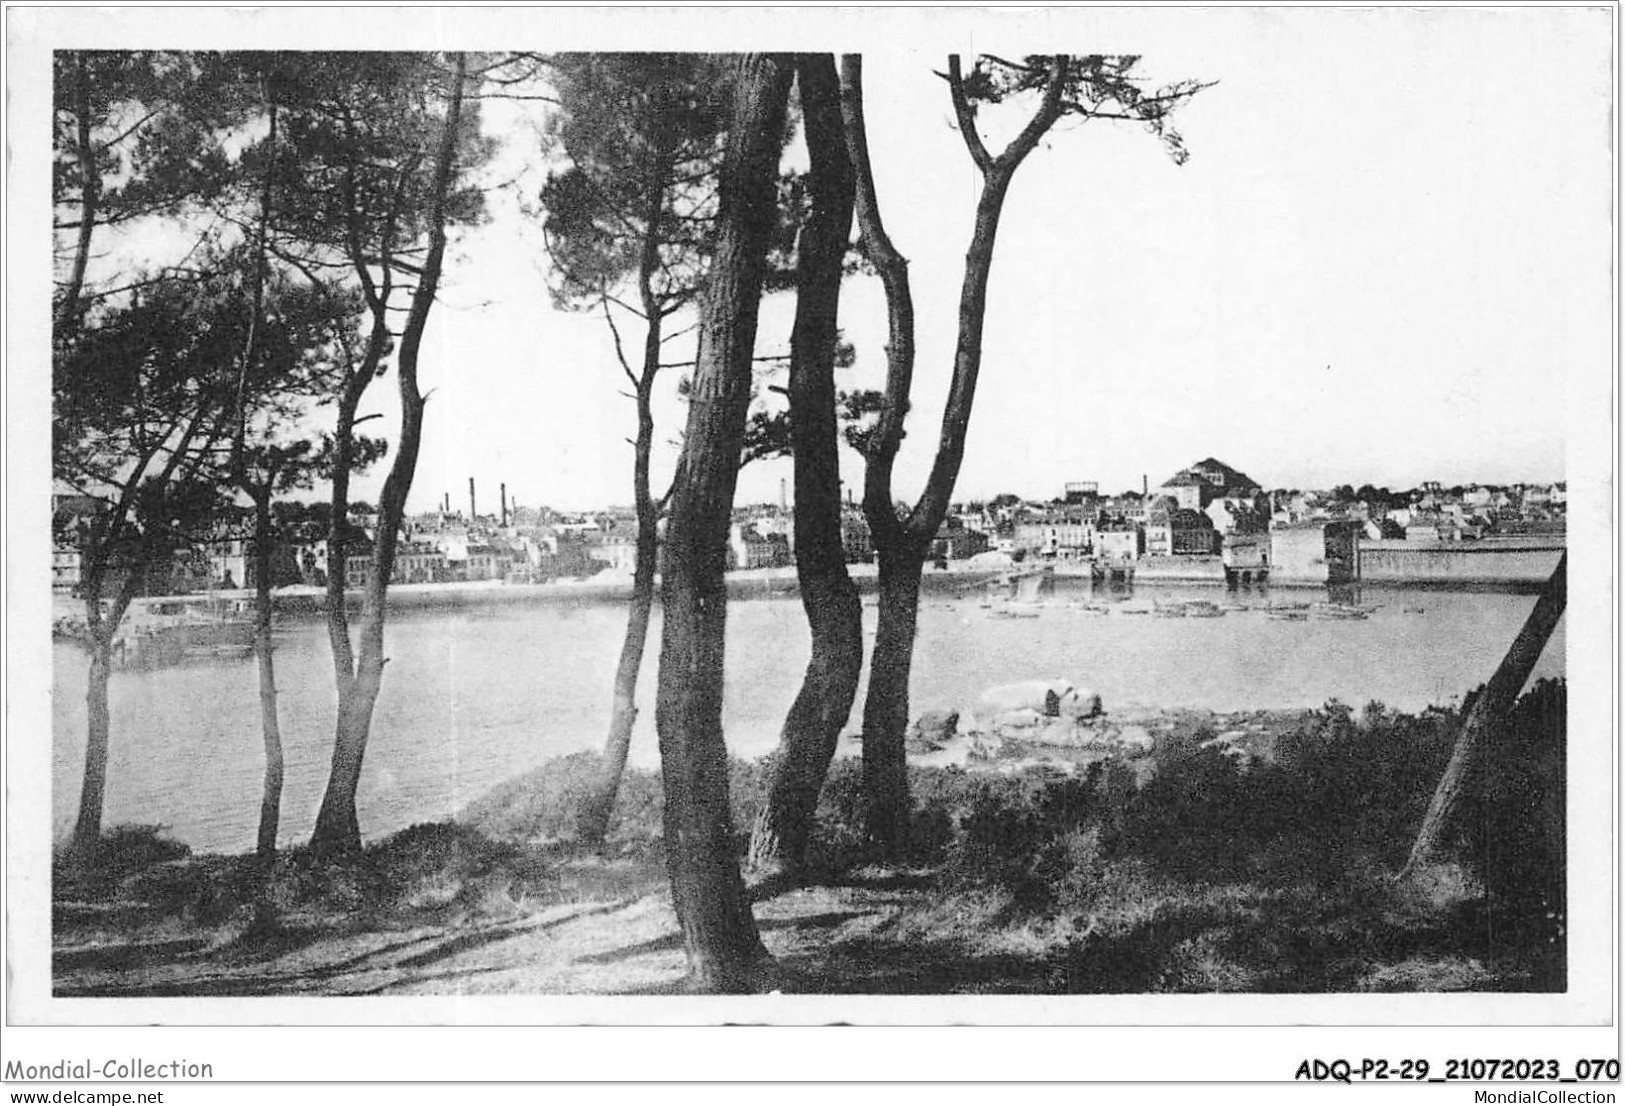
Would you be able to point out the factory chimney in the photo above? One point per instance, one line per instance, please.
(784, 502)
(1145, 485)
(504, 488)
(472, 515)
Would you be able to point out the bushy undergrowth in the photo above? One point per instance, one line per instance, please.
(1513, 825)
(546, 803)
(1317, 832)
(1158, 880)
(429, 871)
(1335, 805)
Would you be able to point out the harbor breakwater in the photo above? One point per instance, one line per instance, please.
(1509, 563)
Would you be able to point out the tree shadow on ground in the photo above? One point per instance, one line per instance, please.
(673, 942)
(867, 966)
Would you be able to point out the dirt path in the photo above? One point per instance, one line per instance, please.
(831, 939)
(625, 946)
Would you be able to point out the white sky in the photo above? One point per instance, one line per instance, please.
(1387, 260)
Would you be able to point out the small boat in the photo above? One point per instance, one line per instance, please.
(1134, 610)
(1202, 608)
(167, 631)
(1018, 610)
(1289, 616)
(1337, 612)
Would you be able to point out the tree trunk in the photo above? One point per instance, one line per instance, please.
(90, 184)
(271, 730)
(87, 831)
(338, 617)
(1487, 718)
(100, 630)
(830, 599)
(902, 543)
(902, 556)
(885, 707)
(719, 934)
(593, 824)
(338, 830)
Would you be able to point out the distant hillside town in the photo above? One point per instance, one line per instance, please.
(1209, 512)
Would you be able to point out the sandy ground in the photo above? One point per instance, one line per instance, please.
(627, 946)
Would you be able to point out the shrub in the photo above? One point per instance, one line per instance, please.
(1194, 818)
(130, 848)
(1514, 825)
(440, 864)
(124, 854)
(838, 838)
(546, 803)
(748, 785)
(1069, 871)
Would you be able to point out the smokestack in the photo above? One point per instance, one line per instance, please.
(472, 515)
(1145, 485)
(784, 502)
(445, 502)
(504, 488)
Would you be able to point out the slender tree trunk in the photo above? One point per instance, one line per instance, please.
(338, 616)
(1487, 718)
(102, 627)
(338, 830)
(87, 831)
(886, 706)
(719, 934)
(90, 186)
(902, 543)
(100, 630)
(270, 728)
(830, 599)
(593, 824)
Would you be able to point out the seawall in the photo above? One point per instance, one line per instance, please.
(1511, 563)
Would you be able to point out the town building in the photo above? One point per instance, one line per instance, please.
(1246, 555)
(1209, 479)
(1315, 552)
(1171, 531)
(66, 565)
(750, 548)
(955, 541)
(856, 541)
(1059, 531)
(418, 562)
(1081, 491)
(1238, 515)
(1119, 540)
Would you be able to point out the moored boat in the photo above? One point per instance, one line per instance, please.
(175, 629)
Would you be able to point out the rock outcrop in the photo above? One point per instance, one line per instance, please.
(1051, 698)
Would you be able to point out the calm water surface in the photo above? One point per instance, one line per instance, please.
(474, 696)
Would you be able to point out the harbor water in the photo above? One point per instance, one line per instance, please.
(475, 695)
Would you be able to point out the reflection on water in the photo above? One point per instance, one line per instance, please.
(474, 696)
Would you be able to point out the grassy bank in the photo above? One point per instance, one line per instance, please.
(1194, 867)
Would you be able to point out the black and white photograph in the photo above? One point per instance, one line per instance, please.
(877, 516)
